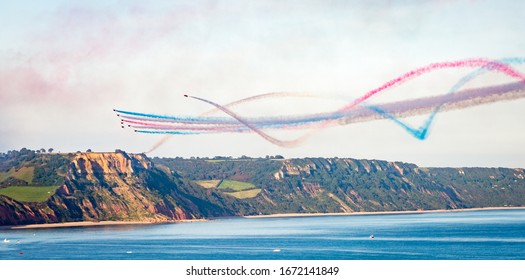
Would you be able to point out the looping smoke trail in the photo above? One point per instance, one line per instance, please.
(158, 124)
(472, 63)
(407, 108)
(258, 97)
(421, 133)
(269, 138)
(233, 104)
(477, 63)
(401, 109)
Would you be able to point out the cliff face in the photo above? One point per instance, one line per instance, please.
(13, 212)
(114, 186)
(107, 164)
(131, 187)
(349, 185)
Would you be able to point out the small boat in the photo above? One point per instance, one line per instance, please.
(6, 240)
(129, 252)
(276, 250)
(371, 236)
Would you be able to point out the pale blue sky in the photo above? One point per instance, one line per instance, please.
(64, 65)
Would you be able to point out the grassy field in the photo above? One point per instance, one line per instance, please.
(208, 184)
(236, 189)
(24, 173)
(236, 185)
(245, 194)
(29, 194)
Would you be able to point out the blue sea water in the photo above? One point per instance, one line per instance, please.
(485, 235)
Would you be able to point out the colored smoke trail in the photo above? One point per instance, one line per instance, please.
(421, 133)
(460, 100)
(233, 104)
(472, 63)
(409, 108)
(159, 143)
(475, 63)
(269, 138)
(350, 113)
(258, 97)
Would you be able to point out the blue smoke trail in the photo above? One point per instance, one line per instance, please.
(136, 115)
(152, 122)
(393, 111)
(167, 132)
(421, 133)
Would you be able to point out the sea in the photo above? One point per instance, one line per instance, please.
(469, 235)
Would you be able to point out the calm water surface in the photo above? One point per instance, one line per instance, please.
(498, 234)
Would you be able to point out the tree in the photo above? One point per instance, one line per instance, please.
(88, 151)
(50, 150)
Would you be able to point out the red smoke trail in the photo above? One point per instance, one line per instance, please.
(158, 144)
(459, 100)
(475, 63)
(273, 140)
(321, 121)
(258, 97)
(237, 103)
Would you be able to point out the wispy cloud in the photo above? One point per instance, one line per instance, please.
(64, 54)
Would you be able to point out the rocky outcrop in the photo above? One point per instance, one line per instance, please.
(13, 212)
(118, 186)
(109, 164)
(112, 186)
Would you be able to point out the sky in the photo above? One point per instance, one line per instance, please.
(64, 65)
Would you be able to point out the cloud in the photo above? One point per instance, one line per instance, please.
(64, 56)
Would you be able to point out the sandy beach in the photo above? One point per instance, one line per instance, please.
(89, 224)
(77, 224)
(285, 215)
(379, 212)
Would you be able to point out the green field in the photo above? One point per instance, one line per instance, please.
(245, 194)
(236, 185)
(208, 184)
(24, 173)
(29, 194)
(236, 189)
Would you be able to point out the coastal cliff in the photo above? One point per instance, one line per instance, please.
(342, 185)
(114, 186)
(108, 187)
(51, 188)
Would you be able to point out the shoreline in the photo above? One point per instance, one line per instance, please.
(282, 215)
(295, 215)
(93, 224)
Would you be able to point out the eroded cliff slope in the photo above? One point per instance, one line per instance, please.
(50, 187)
(113, 186)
